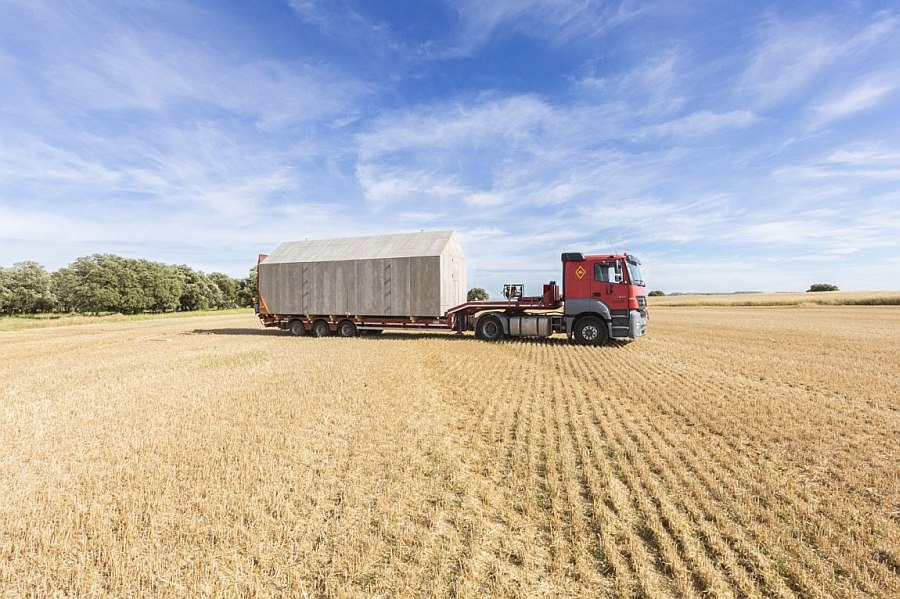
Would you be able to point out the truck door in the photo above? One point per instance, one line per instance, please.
(608, 283)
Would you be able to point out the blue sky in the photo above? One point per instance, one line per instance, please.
(730, 145)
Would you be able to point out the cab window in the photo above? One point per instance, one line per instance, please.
(608, 272)
(604, 272)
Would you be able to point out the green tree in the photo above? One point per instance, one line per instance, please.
(822, 287)
(5, 291)
(247, 289)
(109, 283)
(133, 298)
(199, 292)
(64, 283)
(477, 294)
(228, 288)
(98, 290)
(29, 289)
(162, 286)
(656, 293)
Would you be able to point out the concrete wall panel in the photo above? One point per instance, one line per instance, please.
(399, 287)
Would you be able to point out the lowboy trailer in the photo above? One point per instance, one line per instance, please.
(367, 285)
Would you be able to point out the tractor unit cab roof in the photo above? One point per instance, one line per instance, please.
(578, 257)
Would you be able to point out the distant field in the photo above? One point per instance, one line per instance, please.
(825, 298)
(33, 321)
(735, 452)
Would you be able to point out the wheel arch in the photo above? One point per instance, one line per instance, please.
(576, 308)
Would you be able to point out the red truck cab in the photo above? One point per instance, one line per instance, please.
(606, 288)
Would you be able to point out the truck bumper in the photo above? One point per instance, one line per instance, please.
(637, 324)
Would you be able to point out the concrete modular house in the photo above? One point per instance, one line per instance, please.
(415, 274)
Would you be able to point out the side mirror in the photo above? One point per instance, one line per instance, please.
(618, 278)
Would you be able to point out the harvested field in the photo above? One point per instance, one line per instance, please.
(824, 298)
(735, 452)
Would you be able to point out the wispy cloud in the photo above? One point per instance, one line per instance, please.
(383, 185)
(851, 166)
(455, 125)
(652, 88)
(555, 23)
(791, 55)
(452, 152)
(861, 96)
(864, 155)
(150, 118)
(705, 123)
(788, 57)
(159, 73)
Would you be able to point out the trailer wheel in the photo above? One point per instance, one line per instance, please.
(296, 328)
(347, 329)
(489, 328)
(591, 330)
(320, 328)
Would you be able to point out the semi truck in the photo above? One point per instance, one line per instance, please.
(365, 285)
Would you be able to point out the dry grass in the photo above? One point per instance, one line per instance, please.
(53, 319)
(821, 298)
(736, 452)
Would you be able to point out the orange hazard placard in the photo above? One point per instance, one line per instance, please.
(579, 272)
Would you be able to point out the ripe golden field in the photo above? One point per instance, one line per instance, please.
(735, 452)
(827, 298)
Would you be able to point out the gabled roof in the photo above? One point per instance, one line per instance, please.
(405, 245)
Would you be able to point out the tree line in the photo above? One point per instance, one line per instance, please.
(108, 283)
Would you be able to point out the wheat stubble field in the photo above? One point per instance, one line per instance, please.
(735, 452)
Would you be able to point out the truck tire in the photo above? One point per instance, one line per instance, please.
(591, 330)
(320, 328)
(296, 328)
(489, 328)
(347, 329)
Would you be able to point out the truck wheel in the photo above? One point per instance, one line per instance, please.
(347, 329)
(591, 330)
(296, 328)
(320, 328)
(489, 328)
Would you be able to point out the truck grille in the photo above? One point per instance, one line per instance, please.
(642, 301)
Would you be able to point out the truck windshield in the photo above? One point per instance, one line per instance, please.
(634, 273)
